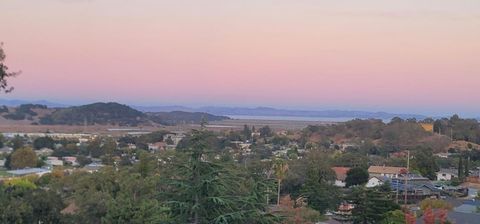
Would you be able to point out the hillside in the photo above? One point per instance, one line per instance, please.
(97, 114)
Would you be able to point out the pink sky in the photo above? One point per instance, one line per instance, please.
(419, 56)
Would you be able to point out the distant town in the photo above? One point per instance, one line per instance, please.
(413, 166)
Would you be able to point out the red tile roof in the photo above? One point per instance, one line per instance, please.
(341, 172)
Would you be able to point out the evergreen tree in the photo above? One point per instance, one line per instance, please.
(200, 189)
(370, 205)
(467, 168)
(247, 133)
(321, 194)
(357, 176)
(460, 168)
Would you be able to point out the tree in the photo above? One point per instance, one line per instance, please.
(370, 205)
(424, 162)
(2, 141)
(247, 133)
(280, 168)
(108, 149)
(17, 142)
(265, 131)
(169, 141)
(94, 148)
(4, 73)
(22, 158)
(356, 176)
(318, 189)
(428, 216)
(395, 217)
(200, 189)
(43, 142)
(460, 168)
(467, 167)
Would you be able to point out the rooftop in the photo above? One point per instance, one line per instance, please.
(27, 171)
(386, 169)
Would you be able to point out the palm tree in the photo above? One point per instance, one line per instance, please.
(280, 168)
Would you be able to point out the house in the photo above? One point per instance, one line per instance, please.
(415, 187)
(375, 181)
(245, 146)
(6, 150)
(176, 137)
(54, 161)
(346, 146)
(444, 155)
(446, 174)
(341, 174)
(44, 152)
(401, 154)
(93, 167)
(158, 146)
(386, 171)
(70, 160)
(29, 171)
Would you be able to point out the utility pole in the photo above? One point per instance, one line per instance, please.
(405, 188)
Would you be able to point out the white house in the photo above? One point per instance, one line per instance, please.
(447, 174)
(54, 162)
(374, 182)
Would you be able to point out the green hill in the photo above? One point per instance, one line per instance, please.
(96, 113)
(100, 114)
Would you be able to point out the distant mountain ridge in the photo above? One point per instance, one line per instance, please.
(16, 103)
(268, 111)
(247, 111)
(100, 114)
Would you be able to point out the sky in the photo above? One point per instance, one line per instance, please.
(415, 56)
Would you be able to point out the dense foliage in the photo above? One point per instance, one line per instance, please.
(4, 72)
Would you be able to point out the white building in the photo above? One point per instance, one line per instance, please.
(54, 162)
(374, 182)
(446, 174)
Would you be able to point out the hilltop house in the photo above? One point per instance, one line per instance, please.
(386, 171)
(341, 174)
(446, 174)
